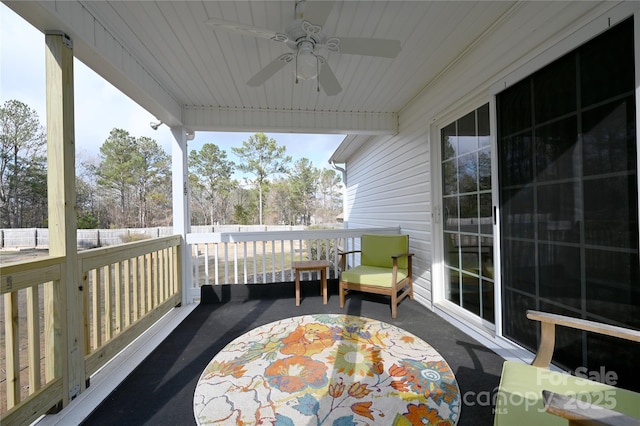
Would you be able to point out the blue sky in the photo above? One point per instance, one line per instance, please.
(99, 107)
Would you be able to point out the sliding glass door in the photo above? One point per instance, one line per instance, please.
(467, 208)
(566, 145)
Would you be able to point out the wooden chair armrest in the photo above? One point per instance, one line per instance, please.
(342, 253)
(396, 256)
(583, 413)
(343, 258)
(548, 332)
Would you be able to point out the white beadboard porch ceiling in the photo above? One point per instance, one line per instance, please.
(165, 57)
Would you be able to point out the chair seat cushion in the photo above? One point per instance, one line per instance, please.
(372, 275)
(519, 400)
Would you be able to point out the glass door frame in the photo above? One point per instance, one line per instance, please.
(440, 276)
(546, 54)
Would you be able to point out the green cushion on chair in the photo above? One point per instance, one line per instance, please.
(519, 400)
(372, 275)
(378, 249)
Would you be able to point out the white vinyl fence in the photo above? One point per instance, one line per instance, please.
(22, 238)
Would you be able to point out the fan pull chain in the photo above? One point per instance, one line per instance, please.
(318, 73)
(297, 53)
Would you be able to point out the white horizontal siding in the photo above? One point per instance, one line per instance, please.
(388, 183)
(389, 178)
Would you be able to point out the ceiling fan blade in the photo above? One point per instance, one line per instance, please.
(317, 12)
(241, 28)
(369, 46)
(267, 72)
(328, 81)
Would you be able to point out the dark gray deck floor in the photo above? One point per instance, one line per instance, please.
(160, 391)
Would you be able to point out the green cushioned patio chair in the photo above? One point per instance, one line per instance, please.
(534, 395)
(385, 268)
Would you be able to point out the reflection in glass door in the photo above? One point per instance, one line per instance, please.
(468, 218)
(567, 167)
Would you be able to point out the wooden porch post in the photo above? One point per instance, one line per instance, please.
(181, 211)
(64, 335)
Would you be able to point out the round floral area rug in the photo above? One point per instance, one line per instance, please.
(327, 370)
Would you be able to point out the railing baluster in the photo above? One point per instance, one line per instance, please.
(255, 261)
(327, 250)
(156, 278)
(235, 263)
(327, 245)
(165, 279)
(155, 268)
(108, 279)
(308, 256)
(86, 305)
(206, 264)
(149, 281)
(12, 348)
(157, 274)
(162, 274)
(244, 264)
(215, 265)
(118, 298)
(226, 263)
(293, 253)
(264, 262)
(52, 316)
(175, 271)
(196, 263)
(142, 267)
(137, 290)
(282, 260)
(273, 261)
(33, 337)
(336, 258)
(96, 309)
(127, 293)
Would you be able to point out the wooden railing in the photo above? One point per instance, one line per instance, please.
(125, 289)
(32, 380)
(261, 257)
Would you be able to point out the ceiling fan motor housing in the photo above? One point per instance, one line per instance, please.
(310, 46)
(300, 31)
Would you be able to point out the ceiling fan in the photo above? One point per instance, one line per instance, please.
(310, 45)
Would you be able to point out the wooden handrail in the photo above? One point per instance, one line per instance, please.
(581, 413)
(396, 256)
(548, 322)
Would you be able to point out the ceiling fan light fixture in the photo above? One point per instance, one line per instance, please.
(310, 46)
(307, 63)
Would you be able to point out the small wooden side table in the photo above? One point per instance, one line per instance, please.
(311, 265)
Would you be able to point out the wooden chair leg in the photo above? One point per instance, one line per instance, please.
(341, 291)
(394, 302)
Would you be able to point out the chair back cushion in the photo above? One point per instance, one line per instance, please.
(378, 249)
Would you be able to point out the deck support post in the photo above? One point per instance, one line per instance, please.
(181, 211)
(64, 333)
